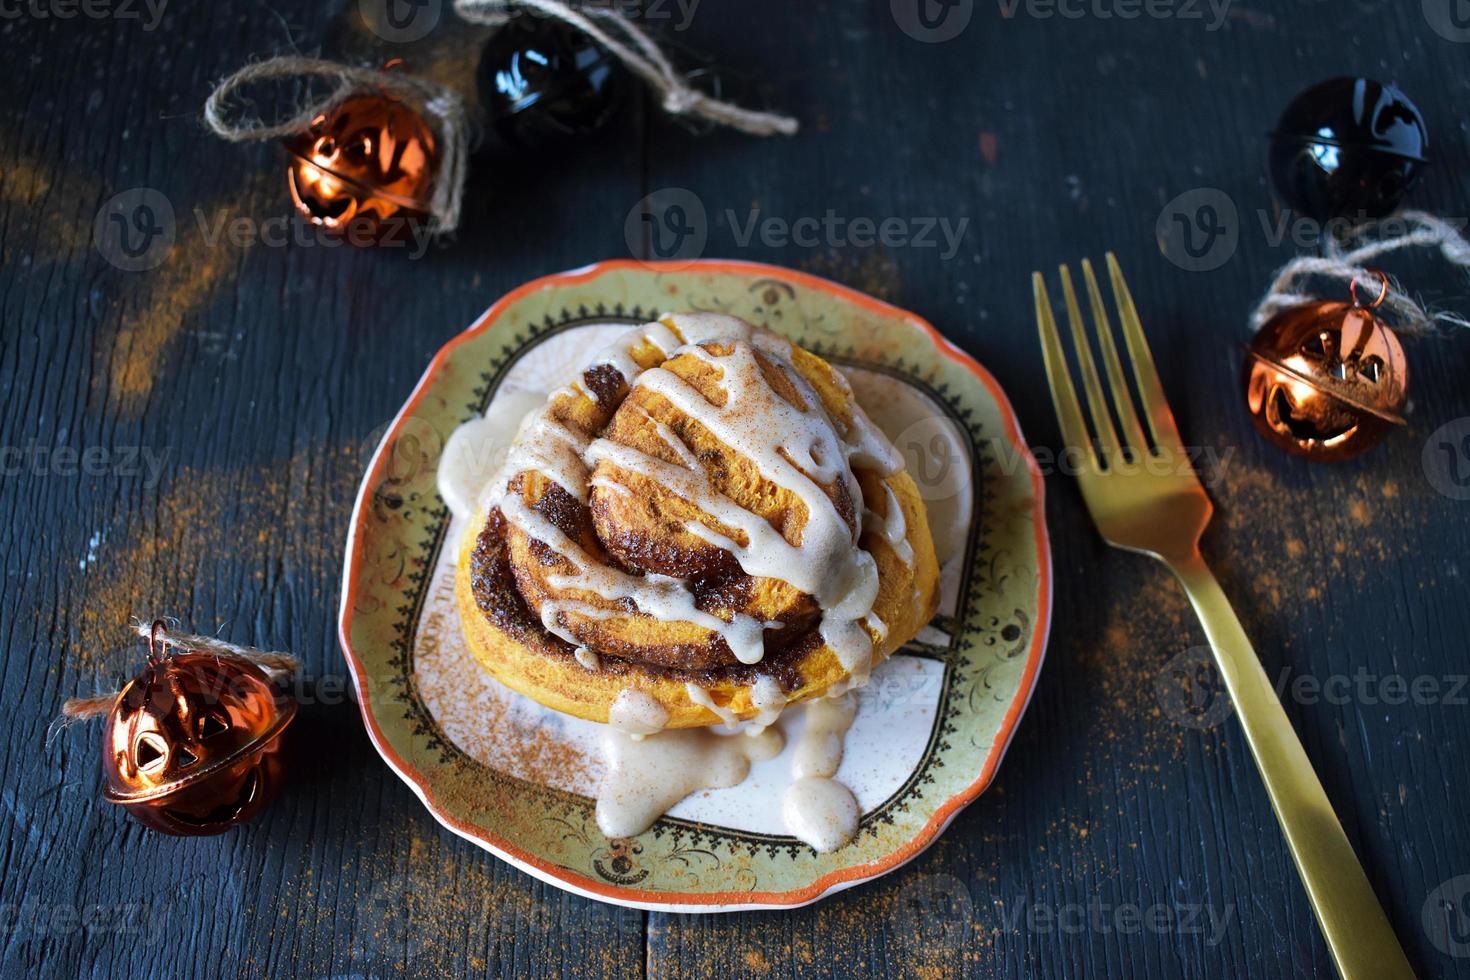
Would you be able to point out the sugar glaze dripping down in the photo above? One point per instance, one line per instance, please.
(799, 448)
(648, 771)
(793, 447)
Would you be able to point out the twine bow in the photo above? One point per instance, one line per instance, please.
(1347, 262)
(442, 107)
(643, 57)
(79, 709)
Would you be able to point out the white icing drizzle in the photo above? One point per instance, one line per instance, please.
(702, 697)
(669, 439)
(574, 390)
(795, 447)
(891, 527)
(476, 451)
(619, 354)
(767, 554)
(819, 750)
(649, 770)
(554, 450)
(636, 712)
(645, 778)
(799, 448)
(610, 485)
(817, 808)
(769, 700)
(822, 812)
(551, 610)
(660, 596)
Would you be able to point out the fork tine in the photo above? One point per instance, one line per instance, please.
(1102, 422)
(1132, 432)
(1150, 389)
(1063, 395)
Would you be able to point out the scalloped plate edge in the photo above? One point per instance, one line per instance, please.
(830, 883)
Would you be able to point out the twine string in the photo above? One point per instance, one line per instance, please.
(642, 56)
(225, 115)
(93, 707)
(1348, 261)
(274, 661)
(442, 107)
(79, 709)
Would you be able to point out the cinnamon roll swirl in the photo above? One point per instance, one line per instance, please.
(703, 523)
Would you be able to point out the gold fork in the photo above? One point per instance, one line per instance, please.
(1144, 496)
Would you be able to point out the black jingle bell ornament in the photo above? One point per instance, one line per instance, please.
(543, 83)
(1327, 380)
(1348, 148)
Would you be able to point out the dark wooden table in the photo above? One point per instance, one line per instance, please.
(188, 440)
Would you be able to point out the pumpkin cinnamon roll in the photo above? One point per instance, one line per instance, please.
(701, 528)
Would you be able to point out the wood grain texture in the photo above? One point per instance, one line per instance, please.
(255, 379)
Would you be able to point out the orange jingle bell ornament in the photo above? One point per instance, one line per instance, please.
(381, 151)
(367, 163)
(193, 743)
(1327, 380)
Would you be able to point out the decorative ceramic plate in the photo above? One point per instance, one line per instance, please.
(521, 780)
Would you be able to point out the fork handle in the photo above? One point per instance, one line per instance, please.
(1358, 934)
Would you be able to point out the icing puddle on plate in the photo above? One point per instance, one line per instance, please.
(803, 775)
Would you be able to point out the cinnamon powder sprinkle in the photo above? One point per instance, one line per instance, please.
(276, 526)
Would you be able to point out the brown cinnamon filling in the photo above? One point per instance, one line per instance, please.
(493, 583)
(644, 516)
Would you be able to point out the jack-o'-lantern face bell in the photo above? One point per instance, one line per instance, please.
(1325, 380)
(368, 163)
(192, 745)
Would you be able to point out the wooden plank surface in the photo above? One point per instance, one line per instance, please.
(230, 396)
